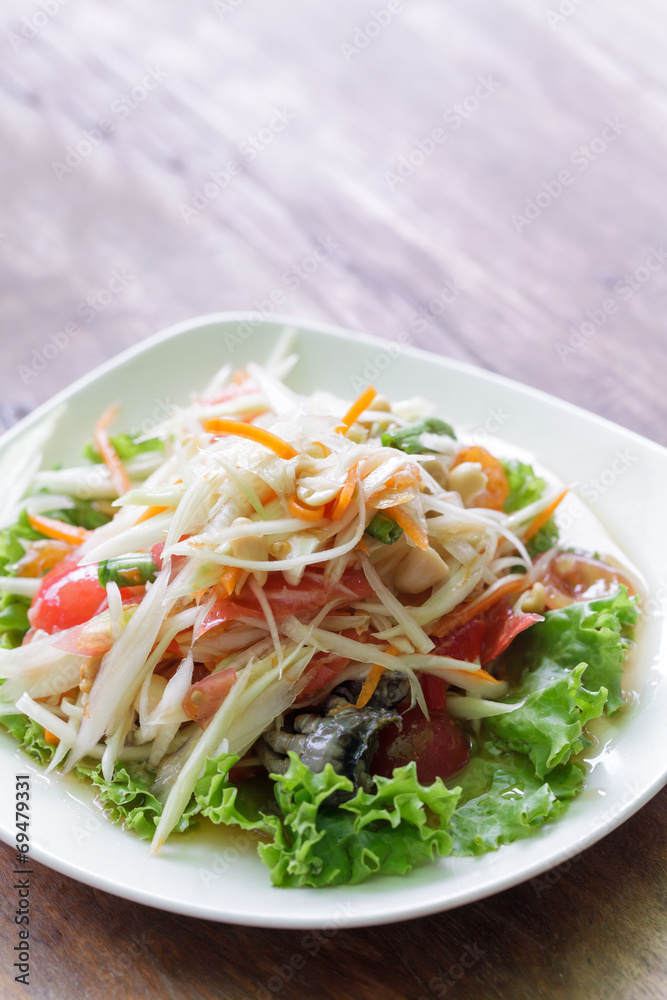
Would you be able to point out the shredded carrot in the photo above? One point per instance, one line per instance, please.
(370, 685)
(327, 451)
(346, 494)
(119, 477)
(151, 512)
(298, 509)
(51, 738)
(410, 527)
(483, 675)
(59, 530)
(357, 408)
(543, 517)
(220, 425)
(240, 376)
(464, 614)
(229, 578)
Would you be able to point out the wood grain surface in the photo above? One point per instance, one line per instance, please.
(487, 176)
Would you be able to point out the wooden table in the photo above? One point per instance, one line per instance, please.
(485, 175)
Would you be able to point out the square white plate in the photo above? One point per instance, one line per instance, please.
(215, 873)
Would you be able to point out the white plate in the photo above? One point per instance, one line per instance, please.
(216, 874)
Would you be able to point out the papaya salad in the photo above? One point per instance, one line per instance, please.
(338, 624)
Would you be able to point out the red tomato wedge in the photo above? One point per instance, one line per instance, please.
(224, 611)
(503, 624)
(437, 745)
(312, 593)
(464, 643)
(309, 595)
(488, 636)
(435, 692)
(204, 698)
(69, 595)
(323, 668)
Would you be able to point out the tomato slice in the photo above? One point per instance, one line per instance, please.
(486, 637)
(438, 746)
(204, 698)
(70, 595)
(323, 668)
(435, 692)
(503, 624)
(311, 594)
(464, 643)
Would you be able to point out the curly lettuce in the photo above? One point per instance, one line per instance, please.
(524, 774)
(388, 832)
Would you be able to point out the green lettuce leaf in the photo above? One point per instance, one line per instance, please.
(544, 539)
(30, 735)
(574, 660)
(503, 800)
(408, 439)
(127, 798)
(126, 447)
(548, 726)
(525, 486)
(314, 844)
(597, 632)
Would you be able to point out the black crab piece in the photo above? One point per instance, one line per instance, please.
(345, 737)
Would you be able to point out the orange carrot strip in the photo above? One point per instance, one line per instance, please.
(370, 685)
(482, 674)
(229, 578)
(298, 509)
(410, 527)
(357, 408)
(51, 738)
(59, 530)
(543, 517)
(220, 425)
(151, 512)
(470, 610)
(346, 494)
(119, 477)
